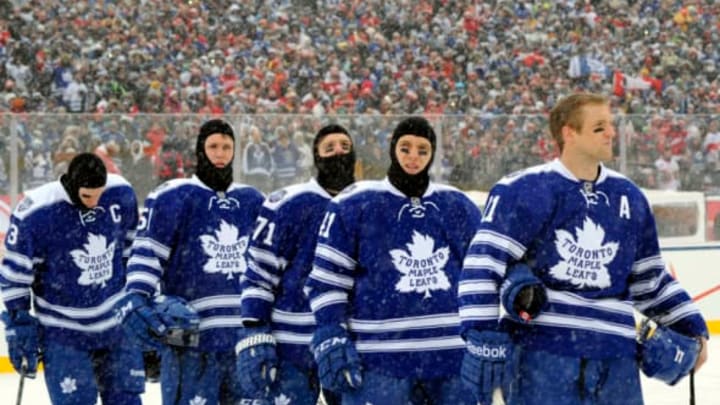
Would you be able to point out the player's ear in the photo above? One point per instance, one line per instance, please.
(567, 133)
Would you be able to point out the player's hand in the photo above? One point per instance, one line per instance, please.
(667, 355)
(522, 294)
(21, 333)
(338, 363)
(141, 324)
(256, 363)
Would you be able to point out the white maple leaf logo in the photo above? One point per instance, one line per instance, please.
(422, 266)
(68, 385)
(197, 400)
(585, 259)
(95, 260)
(225, 250)
(282, 400)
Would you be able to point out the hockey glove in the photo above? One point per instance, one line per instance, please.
(338, 363)
(257, 361)
(522, 294)
(665, 354)
(141, 324)
(21, 333)
(489, 363)
(180, 319)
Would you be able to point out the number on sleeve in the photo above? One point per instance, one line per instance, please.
(262, 222)
(12, 234)
(145, 217)
(490, 208)
(326, 224)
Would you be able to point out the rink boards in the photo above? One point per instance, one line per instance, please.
(697, 267)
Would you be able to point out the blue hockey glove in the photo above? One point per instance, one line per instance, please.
(21, 333)
(257, 361)
(338, 363)
(489, 363)
(522, 294)
(165, 320)
(141, 324)
(665, 354)
(180, 319)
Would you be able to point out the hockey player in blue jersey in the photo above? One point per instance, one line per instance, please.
(279, 325)
(587, 233)
(190, 247)
(66, 249)
(384, 282)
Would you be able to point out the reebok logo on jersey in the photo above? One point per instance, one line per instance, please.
(488, 352)
(95, 260)
(225, 251)
(422, 267)
(585, 258)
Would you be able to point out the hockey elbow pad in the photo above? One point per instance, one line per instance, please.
(522, 294)
(665, 354)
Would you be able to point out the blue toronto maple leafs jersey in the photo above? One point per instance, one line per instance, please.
(595, 247)
(71, 259)
(389, 266)
(281, 254)
(191, 243)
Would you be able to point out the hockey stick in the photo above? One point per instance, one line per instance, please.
(692, 387)
(21, 386)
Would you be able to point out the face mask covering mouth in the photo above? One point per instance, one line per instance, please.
(336, 172)
(218, 179)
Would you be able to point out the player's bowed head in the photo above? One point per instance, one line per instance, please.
(85, 180)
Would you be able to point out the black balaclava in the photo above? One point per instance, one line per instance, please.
(411, 185)
(338, 171)
(216, 179)
(85, 170)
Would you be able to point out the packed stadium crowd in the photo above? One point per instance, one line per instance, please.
(486, 72)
